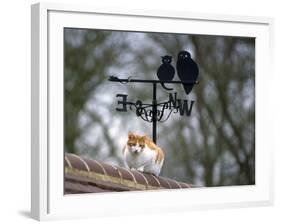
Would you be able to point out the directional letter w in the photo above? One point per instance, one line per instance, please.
(185, 107)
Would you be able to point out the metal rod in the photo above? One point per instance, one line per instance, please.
(154, 113)
(116, 79)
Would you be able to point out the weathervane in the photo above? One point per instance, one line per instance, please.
(187, 71)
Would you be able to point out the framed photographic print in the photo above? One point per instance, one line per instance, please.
(165, 111)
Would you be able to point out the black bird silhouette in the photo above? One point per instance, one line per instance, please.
(166, 71)
(187, 70)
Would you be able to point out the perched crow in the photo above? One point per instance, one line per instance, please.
(187, 70)
(166, 71)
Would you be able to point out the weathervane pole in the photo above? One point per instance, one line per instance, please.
(154, 113)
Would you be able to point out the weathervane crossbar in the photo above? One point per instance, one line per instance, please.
(116, 79)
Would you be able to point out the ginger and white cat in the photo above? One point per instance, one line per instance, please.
(142, 154)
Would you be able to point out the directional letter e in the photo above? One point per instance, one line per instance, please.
(123, 102)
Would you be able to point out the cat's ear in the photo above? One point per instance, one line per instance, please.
(130, 133)
(145, 137)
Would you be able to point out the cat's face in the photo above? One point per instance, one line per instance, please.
(136, 143)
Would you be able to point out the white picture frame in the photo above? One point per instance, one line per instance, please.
(48, 201)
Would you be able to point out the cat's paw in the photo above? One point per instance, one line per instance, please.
(140, 169)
